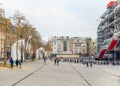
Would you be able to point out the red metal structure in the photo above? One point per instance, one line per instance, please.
(111, 3)
(112, 44)
(110, 47)
(102, 53)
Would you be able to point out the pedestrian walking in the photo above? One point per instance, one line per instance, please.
(55, 61)
(87, 64)
(44, 58)
(20, 63)
(11, 62)
(33, 56)
(17, 62)
(91, 64)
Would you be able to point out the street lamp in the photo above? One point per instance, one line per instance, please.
(17, 47)
(1, 43)
(28, 46)
(21, 47)
(114, 54)
(1, 30)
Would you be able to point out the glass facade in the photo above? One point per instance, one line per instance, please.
(65, 45)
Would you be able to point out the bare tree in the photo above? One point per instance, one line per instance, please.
(48, 46)
(24, 29)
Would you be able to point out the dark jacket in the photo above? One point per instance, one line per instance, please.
(11, 61)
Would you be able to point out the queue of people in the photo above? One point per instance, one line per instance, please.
(88, 63)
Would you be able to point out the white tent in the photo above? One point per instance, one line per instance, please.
(39, 52)
(16, 49)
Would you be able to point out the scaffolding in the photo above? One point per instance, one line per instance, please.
(109, 30)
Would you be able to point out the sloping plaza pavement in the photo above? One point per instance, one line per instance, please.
(37, 73)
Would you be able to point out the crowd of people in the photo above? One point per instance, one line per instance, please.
(88, 63)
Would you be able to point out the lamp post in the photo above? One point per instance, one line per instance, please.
(1, 42)
(28, 47)
(21, 47)
(17, 47)
(1, 31)
(1, 35)
(114, 54)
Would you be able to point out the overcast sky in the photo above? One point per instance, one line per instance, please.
(59, 17)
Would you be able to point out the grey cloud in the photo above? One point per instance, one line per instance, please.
(60, 17)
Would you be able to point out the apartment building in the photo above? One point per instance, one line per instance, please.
(6, 34)
(2, 35)
(77, 45)
(72, 45)
(60, 45)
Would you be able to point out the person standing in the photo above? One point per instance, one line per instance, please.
(11, 62)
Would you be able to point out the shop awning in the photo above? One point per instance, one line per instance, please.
(102, 53)
(112, 44)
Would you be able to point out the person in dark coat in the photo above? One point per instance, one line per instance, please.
(87, 64)
(55, 61)
(17, 62)
(44, 58)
